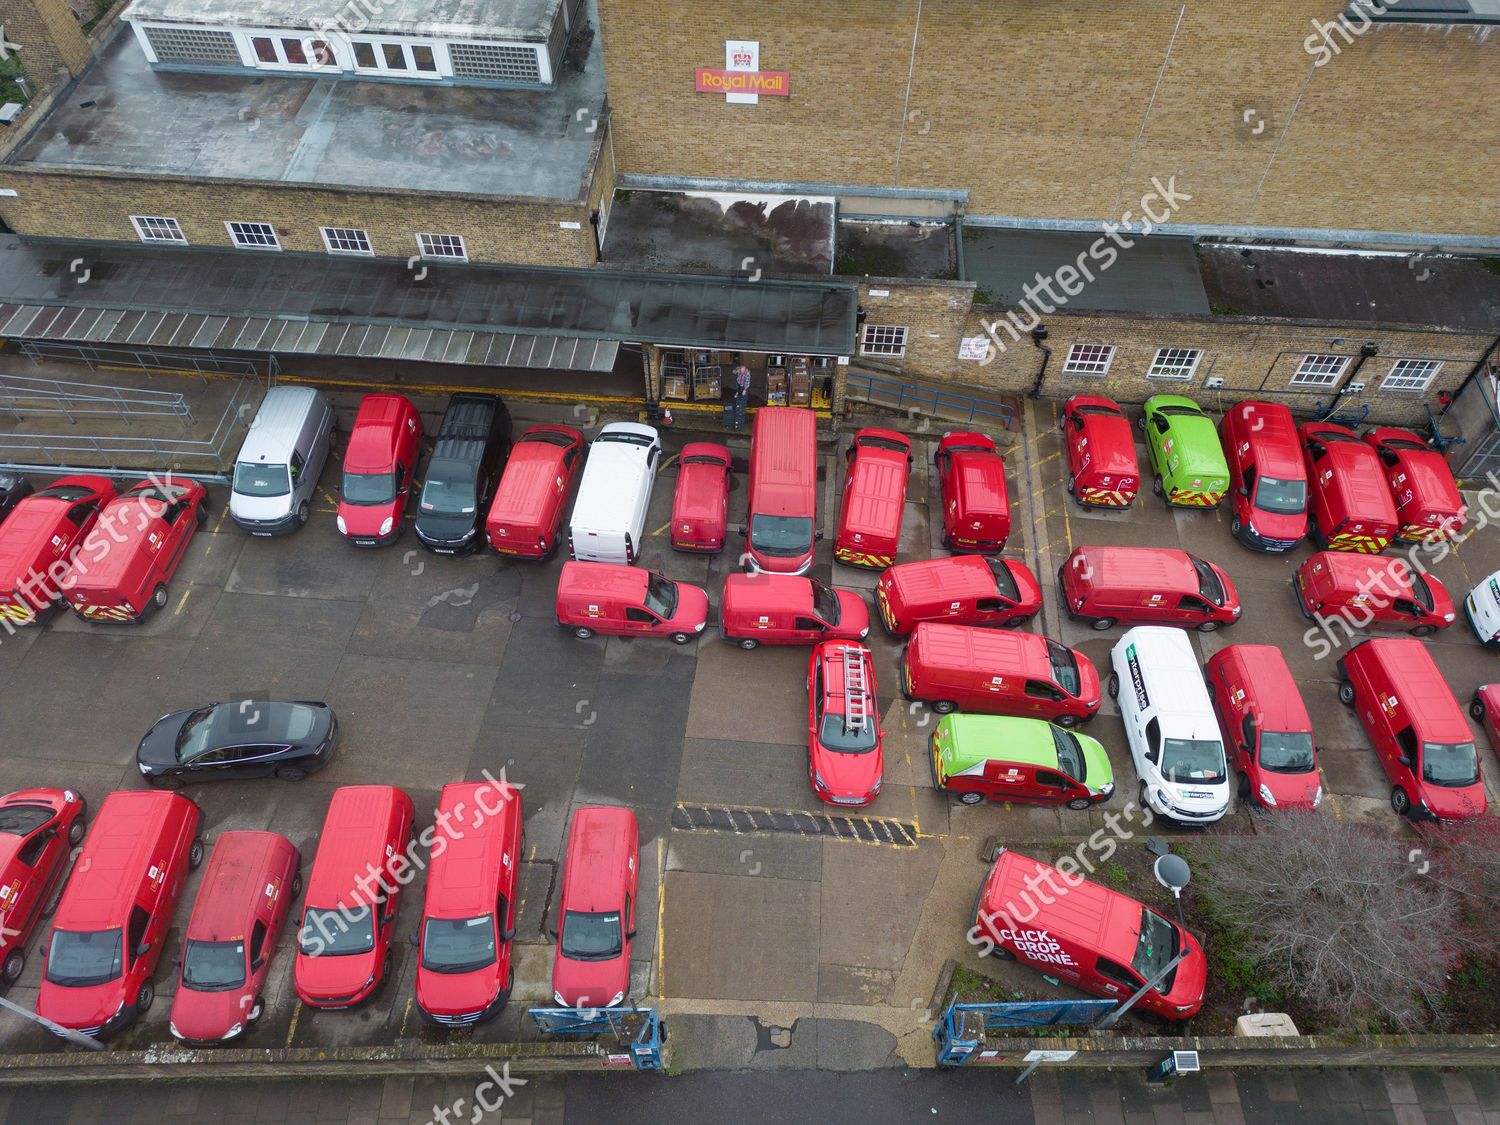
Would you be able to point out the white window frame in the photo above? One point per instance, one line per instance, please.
(1400, 377)
(1089, 359)
(162, 223)
(234, 235)
(282, 62)
(1316, 370)
(442, 66)
(427, 244)
(883, 339)
(340, 232)
(1177, 364)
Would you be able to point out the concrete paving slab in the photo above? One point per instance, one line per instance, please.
(741, 937)
(763, 855)
(854, 984)
(212, 553)
(880, 889)
(752, 774)
(759, 696)
(188, 610)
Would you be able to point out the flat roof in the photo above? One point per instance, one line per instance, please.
(721, 232)
(122, 116)
(1156, 275)
(525, 20)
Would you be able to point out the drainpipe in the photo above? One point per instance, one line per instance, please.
(1038, 334)
(1366, 351)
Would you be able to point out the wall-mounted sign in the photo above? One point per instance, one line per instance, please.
(974, 347)
(742, 81)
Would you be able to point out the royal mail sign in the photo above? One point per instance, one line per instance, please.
(742, 81)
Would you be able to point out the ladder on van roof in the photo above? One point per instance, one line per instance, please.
(856, 690)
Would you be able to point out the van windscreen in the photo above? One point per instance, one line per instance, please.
(1069, 754)
(1452, 764)
(76, 960)
(591, 937)
(1005, 581)
(261, 480)
(1064, 667)
(369, 488)
(1192, 760)
(213, 966)
(337, 933)
(1288, 497)
(661, 595)
(624, 437)
(1286, 753)
(458, 945)
(781, 536)
(1209, 585)
(882, 443)
(1155, 949)
(449, 489)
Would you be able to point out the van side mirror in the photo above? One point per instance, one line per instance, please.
(508, 934)
(629, 935)
(412, 940)
(817, 535)
(143, 949)
(744, 530)
(1404, 760)
(1242, 490)
(552, 931)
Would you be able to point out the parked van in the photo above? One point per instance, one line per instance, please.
(38, 830)
(1103, 471)
(961, 668)
(122, 570)
(874, 501)
(620, 600)
(38, 541)
(246, 895)
(976, 503)
(276, 472)
(596, 914)
(344, 938)
(700, 504)
(785, 609)
(1096, 939)
(1350, 502)
(1265, 726)
(1420, 735)
(1105, 585)
(961, 590)
(380, 464)
(1187, 463)
(1369, 590)
(1428, 504)
(783, 490)
(533, 492)
(472, 443)
(609, 516)
(1170, 725)
(111, 924)
(1267, 480)
(1482, 611)
(465, 965)
(1008, 758)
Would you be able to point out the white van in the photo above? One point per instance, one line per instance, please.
(609, 516)
(1170, 725)
(1482, 608)
(277, 470)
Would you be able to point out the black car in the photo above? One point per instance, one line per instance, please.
(13, 489)
(245, 738)
(472, 444)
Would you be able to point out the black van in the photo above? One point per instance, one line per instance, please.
(472, 444)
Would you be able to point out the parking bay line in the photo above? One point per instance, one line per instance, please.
(879, 831)
(182, 602)
(661, 915)
(291, 1031)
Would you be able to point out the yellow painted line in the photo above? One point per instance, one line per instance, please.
(661, 916)
(1049, 457)
(1333, 800)
(405, 1017)
(182, 602)
(328, 496)
(1067, 522)
(291, 1031)
(662, 528)
(667, 462)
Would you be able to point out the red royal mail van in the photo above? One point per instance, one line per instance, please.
(1265, 726)
(1350, 502)
(353, 893)
(379, 466)
(783, 490)
(961, 590)
(596, 914)
(1105, 585)
(38, 829)
(1428, 504)
(122, 570)
(533, 492)
(624, 600)
(1369, 590)
(465, 967)
(38, 541)
(783, 609)
(874, 499)
(111, 925)
(1420, 735)
(844, 759)
(700, 505)
(1103, 471)
(1267, 480)
(976, 504)
(243, 902)
(958, 667)
(1096, 939)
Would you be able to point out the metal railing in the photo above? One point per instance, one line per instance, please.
(35, 395)
(201, 362)
(928, 400)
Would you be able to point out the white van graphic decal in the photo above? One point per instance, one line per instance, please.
(1136, 682)
(1037, 945)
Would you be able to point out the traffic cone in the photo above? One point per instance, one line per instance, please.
(666, 416)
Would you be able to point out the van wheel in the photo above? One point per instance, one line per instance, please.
(1346, 694)
(1244, 787)
(257, 1010)
(945, 706)
(1141, 797)
(749, 643)
(76, 831)
(1069, 721)
(145, 998)
(1072, 484)
(1156, 485)
(15, 964)
(296, 884)
(1017, 622)
(291, 773)
(1476, 709)
(583, 632)
(970, 798)
(1114, 685)
(1422, 631)
(1400, 801)
(1102, 623)
(1234, 527)
(1080, 803)
(681, 638)
(1002, 954)
(1207, 626)
(195, 853)
(159, 597)
(201, 513)
(302, 512)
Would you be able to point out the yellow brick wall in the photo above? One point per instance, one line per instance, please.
(1055, 111)
(49, 37)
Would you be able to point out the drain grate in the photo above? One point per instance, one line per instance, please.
(724, 818)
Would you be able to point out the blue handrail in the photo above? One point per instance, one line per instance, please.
(904, 396)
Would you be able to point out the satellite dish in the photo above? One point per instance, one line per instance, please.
(1173, 873)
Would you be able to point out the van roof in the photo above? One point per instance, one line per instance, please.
(601, 579)
(133, 522)
(29, 527)
(372, 438)
(784, 461)
(614, 472)
(465, 875)
(767, 593)
(1277, 696)
(1089, 916)
(234, 884)
(1274, 433)
(1358, 481)
(276, 422)
(1170, 677)
(947, 579)
(1005, 738)
(468, 417)
(120, 848)
(1427, 471)
(982, 650)
(354, 837)
(601, 841)
(526, 486)
(1409, 666)
(1157, 569)
(1352, 570)
(875, 488)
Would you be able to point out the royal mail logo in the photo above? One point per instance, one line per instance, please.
(742, 60)
(776, 83)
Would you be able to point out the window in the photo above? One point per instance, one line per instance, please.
(364, 55)
(808, 625)
(1036, 689)
(200, 48)
(1052, 780)
(422, 58)
(492, 62)
(1320, 370)
(257, 945)
(1411, 375)
(1089, 359)
(395, 56)
(290, 50)
(346, 240)
(639, 616)
(442, 246)
(139, 920)
(32, 850)
(154, 228)
(254, 236)
(1406, 742)
(265, 49)
(882, 339)
(1174, 363)
(1118, 973)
